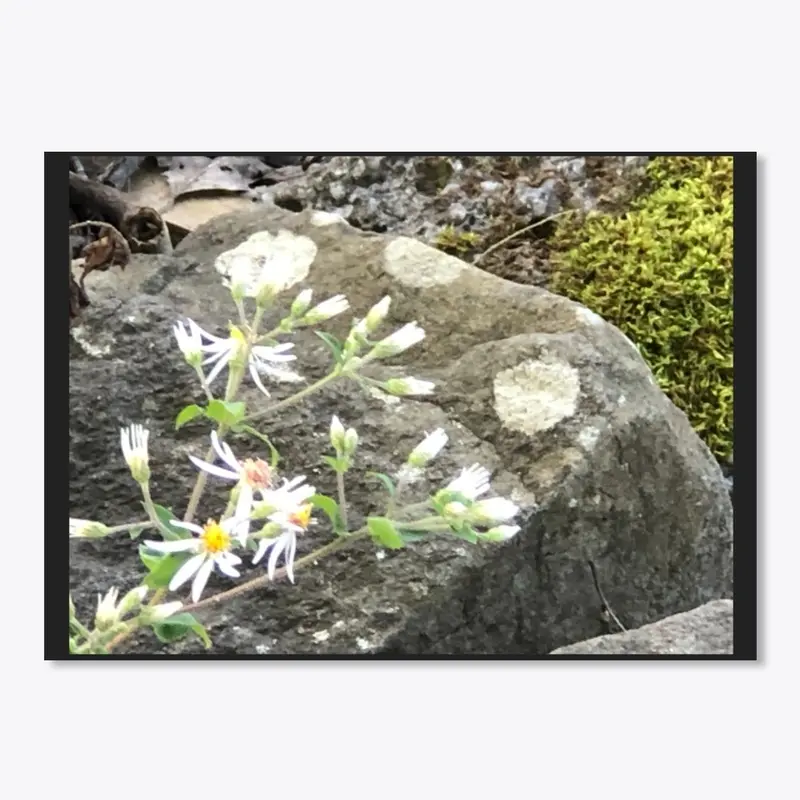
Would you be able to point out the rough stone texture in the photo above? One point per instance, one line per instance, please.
(707, 630)
(604, 465)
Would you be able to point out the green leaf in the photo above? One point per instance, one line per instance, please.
(385, 480)
(177, 626)
(410, 536)
(275, 456)
(333, 344)
(383, 532)
(227, 413)
(161, 566)
(187, 414)
(466, 533)
(331, 508)
(170, 532)
(337, 464)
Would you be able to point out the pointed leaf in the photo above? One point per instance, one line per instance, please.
(275, 456)
(385, 480)
(331, 509)
(228, 413)
(177, 626)
(169, 531)
(384, 532)
(332, 343)
(161, 566)
(187, 414)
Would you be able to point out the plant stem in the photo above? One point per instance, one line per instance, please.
(263, 580)
(342, 499)
(295, 397)
(129, 526)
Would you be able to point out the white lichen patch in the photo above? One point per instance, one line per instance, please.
(380, 555)
(588, 437)
(292, 253)
(93, 349)
(415, 264)
(262, 649)
(322, 218)
(621, 400)
(588, 316)
(363, 644)
(534, 397)
(321, 636)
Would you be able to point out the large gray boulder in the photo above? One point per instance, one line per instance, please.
(554, 401)
(707, 630)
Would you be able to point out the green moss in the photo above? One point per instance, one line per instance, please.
(663, 274)
(455, 242)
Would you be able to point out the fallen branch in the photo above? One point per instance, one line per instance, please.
(605, 608)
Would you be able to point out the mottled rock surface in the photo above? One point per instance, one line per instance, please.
(707, 630)
(554, 401)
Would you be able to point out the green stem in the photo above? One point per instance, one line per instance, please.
(151, 509)
(342, 499)
(129, 526)
(289, 401)
(263, 580)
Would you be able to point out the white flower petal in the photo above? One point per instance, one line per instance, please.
(277, 549)
(226, 567)
(201, 579)
(186, 571)
(179, 546)
(263, 546)
(223, 450)
(218, 367)
(290, 551)
(213, 469)
(189, 526)
(257, 379)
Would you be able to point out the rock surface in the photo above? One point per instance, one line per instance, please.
(707, 630)
(554, 401)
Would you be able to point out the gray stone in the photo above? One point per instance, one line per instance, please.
(553, 400)
(707, 630)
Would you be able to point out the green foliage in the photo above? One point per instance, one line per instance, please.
(455, 242)
(663, 274)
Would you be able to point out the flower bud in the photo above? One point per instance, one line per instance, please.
(350, 442)
(407, 386)
(158, 613)
(326, 309)
(301, 303)
(398, 342)
(134, 448)
(501, 533)
(337, 434)
(107, 614)
(86, 529)
(377, 314)
(132, 600)
(428, 448)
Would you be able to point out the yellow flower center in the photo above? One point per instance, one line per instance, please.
(214, 539)
(257, 473)
(302, 516)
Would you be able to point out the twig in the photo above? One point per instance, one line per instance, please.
(605, 607)
(519, 233)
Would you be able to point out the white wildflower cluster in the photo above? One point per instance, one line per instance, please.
(266, 513)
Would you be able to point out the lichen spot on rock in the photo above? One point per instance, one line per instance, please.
(416, 264)
(322, 218)
(588, 437)
(586, 315)
(534, 397)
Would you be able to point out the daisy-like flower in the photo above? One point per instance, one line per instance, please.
(292, 523)
(286, 499)
(211, 548)
(251, 476)
(403, 338)
(428, 448)
(262, 359)
(408, 386)
(472, 482)
(134, 448)
(86, 529)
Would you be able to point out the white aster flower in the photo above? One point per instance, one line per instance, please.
(403, 338)
(471, 482)
(292, 523)
(285, 499)
(251, 476)
(133, 440)
(428, 448)
(211, 548)
(86, 529)
(407, 386)
(262, 359)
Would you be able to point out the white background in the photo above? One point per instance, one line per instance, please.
(377, 77)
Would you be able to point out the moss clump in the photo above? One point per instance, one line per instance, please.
(455, 242)
(663, 274)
